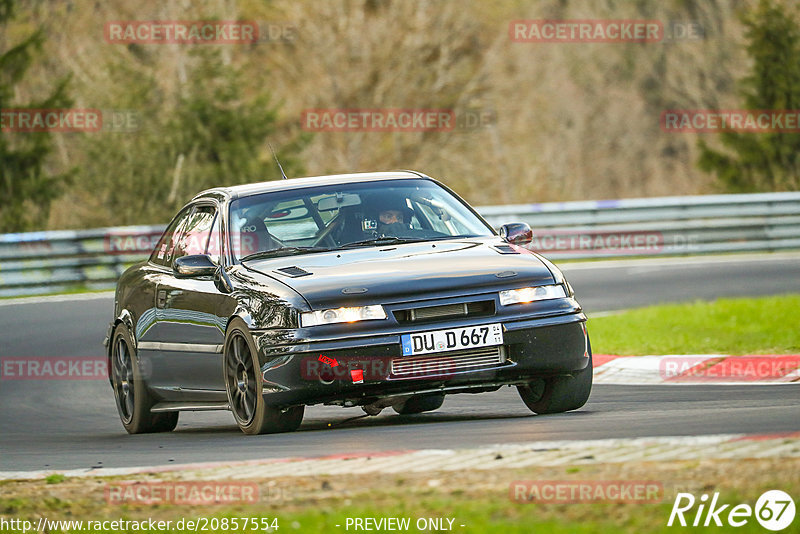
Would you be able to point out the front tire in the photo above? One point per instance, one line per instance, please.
(558, 394)
(130, 389)
(243, 383)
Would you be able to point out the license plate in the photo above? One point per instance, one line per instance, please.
(452, 339)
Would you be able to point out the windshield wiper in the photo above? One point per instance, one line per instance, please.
(384, 240)
(283, 251)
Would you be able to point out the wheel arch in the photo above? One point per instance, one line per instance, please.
(242, 314)
(125, 317)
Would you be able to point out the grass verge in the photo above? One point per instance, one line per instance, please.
(765, 325)
(477, 499)
(76, 290)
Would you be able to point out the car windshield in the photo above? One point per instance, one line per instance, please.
(344, 216)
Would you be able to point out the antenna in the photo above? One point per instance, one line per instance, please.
(276, 161)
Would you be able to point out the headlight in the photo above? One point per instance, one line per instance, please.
(530, 294)
(342, 315)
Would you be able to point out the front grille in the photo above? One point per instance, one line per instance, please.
(443, 364)
(434, 312)
(480, 308)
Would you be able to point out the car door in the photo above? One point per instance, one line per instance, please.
(188, 335)
(147, 313)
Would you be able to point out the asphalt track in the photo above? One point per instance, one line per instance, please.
(73, 424)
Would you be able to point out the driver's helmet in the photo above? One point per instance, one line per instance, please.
(384, 210)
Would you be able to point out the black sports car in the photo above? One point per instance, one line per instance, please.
(375, 290)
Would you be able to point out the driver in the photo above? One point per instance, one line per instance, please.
(388, 214)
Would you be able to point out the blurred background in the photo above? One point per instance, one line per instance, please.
(568, 137)
(558, 121)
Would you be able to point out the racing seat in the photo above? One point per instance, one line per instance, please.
(351, 229)
(254, 237)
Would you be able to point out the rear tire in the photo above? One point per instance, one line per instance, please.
(558, 394)
(130, 389)
(420, 403)
(243, 383)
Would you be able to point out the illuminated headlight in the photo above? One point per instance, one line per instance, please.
(342, 315)
(530, 294)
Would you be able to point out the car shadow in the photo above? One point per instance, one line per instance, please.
(316, 424)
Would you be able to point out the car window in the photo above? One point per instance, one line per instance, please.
(290, 220)
(213, 249)
(163, 250)
(439, 218)
(336, 216)
(195, 233)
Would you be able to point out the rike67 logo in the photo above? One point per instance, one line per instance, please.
(774, 510)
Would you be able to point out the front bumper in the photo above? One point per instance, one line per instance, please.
(359, 371)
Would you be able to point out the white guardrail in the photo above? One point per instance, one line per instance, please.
(44, 262)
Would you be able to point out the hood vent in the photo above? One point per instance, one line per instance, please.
(293, 272)
(505, 249)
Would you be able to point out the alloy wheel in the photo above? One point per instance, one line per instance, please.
(241, 379)
(122, 377)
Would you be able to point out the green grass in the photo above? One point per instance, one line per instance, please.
(56, 478)
(74, 290)
(767, 325)
(492, 514)
(495, 515)
(478, 500)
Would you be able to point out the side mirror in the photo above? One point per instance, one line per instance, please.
(516, 233)
(193, 266)
(222, 282)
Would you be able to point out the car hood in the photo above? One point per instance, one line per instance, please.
(399, 273)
